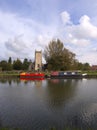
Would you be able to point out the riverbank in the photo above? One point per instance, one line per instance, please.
(90, 74)
(46, 129)
(11, 74)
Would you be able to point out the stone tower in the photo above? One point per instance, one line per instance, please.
(38, 60)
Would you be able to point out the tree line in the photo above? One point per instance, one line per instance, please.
(9, 65)
(57, 57)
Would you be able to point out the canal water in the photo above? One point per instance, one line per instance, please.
(50, 103)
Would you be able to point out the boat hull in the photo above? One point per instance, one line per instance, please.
(32, 76)
(66, 76)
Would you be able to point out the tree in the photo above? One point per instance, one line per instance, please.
(25, 65)
(10, 64)
(83, 66)
(17, 65)
(10, 60)
(58, 57)
(3, 65)
(86, 66)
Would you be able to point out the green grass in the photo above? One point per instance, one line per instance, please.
(16, 73)
(10, 129)
(47, 129)
(9, 73)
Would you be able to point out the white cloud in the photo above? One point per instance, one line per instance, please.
(81, 34)
(76, 41)
(16, 45)
(89, 30)
(22, 36)
(19, 37)
(94, 49)
(43, 40)
(65, 17)
(81, 38)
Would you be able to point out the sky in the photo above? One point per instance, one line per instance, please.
(29, 25)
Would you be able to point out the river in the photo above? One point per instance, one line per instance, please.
(49, 103)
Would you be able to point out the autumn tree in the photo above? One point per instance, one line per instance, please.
(58, 57)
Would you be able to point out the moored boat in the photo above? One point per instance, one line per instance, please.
(68, 74)
(32, 76)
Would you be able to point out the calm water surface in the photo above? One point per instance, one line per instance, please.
(41, 105)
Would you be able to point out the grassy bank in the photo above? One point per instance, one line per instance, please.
(90, 74)
(46, 129)
(9, 74)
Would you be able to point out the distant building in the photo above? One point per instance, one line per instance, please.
(94, 67)
(38, 60)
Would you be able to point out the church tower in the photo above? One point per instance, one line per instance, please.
(38, 60)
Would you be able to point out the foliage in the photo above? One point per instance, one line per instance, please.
(86, 66)
(17, 65)
(5, 65)
(9, 60)
(58, 57)
(14, 65)
(83, 67)
(25, 64)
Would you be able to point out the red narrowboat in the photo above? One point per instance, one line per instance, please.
(32, 76)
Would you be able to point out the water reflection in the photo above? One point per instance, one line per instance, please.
(59, 91)
(9, 80)
(41, 104)
(54, 92)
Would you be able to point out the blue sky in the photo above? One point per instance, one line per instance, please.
(28, 25)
